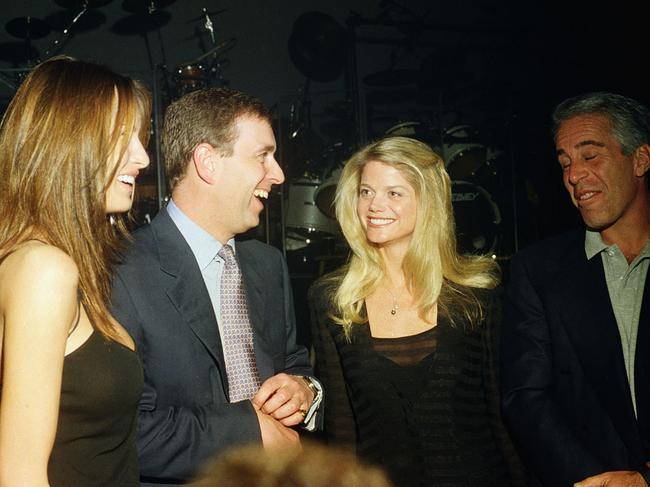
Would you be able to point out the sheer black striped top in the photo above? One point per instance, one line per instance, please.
(424, 407)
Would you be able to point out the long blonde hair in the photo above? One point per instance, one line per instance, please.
(57, 138)
(435, 272)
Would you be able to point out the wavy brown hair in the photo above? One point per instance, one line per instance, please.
(59, 140)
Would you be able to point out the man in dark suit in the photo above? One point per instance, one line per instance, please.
(576, 338)
(220, 359)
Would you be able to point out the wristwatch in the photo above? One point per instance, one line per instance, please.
(311, 383)
(316, 388)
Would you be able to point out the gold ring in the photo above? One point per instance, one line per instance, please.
(303, 412)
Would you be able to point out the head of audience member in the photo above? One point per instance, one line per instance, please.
(313, 465)
(603, 146)
(220, 159)
(71, 145)
(424, 229)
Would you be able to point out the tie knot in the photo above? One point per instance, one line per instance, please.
(227, 254)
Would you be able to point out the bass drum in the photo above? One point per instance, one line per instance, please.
(464, 156)
(477, 218)
(304, 219)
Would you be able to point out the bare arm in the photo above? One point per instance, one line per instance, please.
(38, 300)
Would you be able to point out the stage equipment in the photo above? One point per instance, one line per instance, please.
(82, 4)
(27, 28)
(145, 6)
(465, 155)
(477, 218)
(61, 20)
(141, 23)
(304, 218)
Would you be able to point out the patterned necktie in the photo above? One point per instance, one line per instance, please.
(241, 368)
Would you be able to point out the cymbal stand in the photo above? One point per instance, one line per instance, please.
(208, 25)
(215, 66)
(58, 44)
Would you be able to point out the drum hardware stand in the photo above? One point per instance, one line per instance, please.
(58, 45)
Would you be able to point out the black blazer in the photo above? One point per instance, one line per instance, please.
(566, 397)
(160, 297)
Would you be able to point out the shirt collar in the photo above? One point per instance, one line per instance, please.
(594, 244)
(204, 246)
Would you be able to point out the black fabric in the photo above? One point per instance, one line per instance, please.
(566, 396)
(95, 438)
(424, 407)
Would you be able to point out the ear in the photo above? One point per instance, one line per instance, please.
(205, 160)
(641, 160)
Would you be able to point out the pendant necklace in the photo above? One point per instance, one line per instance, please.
(395, 307)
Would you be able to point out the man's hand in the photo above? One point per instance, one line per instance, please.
(286, 398)
(621, 478)
(274, 434)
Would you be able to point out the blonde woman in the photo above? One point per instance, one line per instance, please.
(71, 145)
(403, 332)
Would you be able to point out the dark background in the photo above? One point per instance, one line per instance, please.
(476, 79)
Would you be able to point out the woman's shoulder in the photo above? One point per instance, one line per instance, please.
(40, 265)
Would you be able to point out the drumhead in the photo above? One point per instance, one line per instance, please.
(477, 218)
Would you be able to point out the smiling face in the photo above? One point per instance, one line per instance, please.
(387, 206)
(119, 196)
(246, 177)
(600, 179)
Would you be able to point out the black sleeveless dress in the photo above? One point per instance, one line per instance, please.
(95, 438)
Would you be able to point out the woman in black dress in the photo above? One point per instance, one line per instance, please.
(71, 146)
(404, 333)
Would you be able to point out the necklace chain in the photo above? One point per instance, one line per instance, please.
(395, 307)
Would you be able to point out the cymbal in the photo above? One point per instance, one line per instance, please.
(223, 46)
(62, 20)
(18, 52)
(391, 77)
(144, 6)
(141, 23)
(27, 28)
(207, 12)
(79, 4)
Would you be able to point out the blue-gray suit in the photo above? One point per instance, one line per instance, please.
(160, 297)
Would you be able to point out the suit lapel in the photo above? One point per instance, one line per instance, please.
(255, 295)
(590, 323)
(188, 292)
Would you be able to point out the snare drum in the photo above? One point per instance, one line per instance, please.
(477, 218)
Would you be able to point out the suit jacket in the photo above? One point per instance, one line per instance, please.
(566, 397)
(160, 297)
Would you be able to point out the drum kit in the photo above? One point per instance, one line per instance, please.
(142, 17)
(471, 164)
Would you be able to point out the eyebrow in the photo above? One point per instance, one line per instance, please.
(396, 186)
(265, 148)
(581, 144)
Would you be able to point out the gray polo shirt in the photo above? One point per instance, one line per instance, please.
(625, 284)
